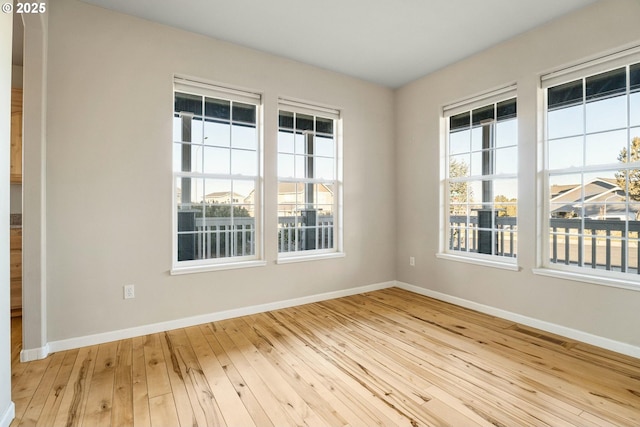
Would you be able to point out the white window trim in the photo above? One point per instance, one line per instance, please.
(299, 106)
(593, 279)
(591, 66)
(196, 86)
(475, 259)
(493, 96)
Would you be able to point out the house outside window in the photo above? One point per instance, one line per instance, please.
(216, 170)
(480, 179)
(309, 184)
(592, 170)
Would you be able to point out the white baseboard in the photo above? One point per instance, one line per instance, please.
(88, 340)
(609, 344)
(8, 415)
(27, 355)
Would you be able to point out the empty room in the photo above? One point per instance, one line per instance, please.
(286, 212)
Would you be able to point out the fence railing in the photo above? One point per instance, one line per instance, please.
(465, 236)
(218, 237)
(295, 235)
(609, 244)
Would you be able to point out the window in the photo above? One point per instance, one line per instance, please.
(593, 169)
(480, 178)
(309, 188)
(216, 175)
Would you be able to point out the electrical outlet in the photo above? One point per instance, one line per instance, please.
(129, 291)
(412, 261)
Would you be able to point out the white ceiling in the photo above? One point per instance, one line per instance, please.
(390, 42)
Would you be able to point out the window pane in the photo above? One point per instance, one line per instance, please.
(300, 143)
(290, 194)
(177, 128)
(459, 192)
(245, 113)
(187, 158)
(217, 133)
(474, 192)
(245, 190)
(218, 192)
(634, 109)
(565, 189)
(244, 162)
(476, 164)
(506, 133)
(285, 142)
(323, 197)
(324, 146)
(460, 121)
(506, 161)
(476, 138)
(607, 84)
(304, 122)
(286, 166)
(324, 168)
(188, 103)
(460, 142)
(187, 129)
(217, 108)
(177, 157)
(634, 77)
(244, 137)
(285, 119)
(506, 190)
(459, 166)
(607, 114)
(565, 122)
(301, 167)
(324, 125)
(188, 194)
(565, 95)
(216, 160)
(482, 114)
(603, 148)
(566, 153)
(197, 131)
(506, 109)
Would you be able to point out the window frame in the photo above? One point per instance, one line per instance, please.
(584, 71)
(324, 112)
(485, 99)
(188, 85)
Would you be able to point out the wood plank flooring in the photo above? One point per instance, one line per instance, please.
(385, 358)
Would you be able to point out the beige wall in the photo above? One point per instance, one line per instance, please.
(603, 311)
(109, 179)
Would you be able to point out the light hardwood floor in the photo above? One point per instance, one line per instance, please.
(383, 358)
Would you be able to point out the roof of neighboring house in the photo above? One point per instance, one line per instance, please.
(598, 193)
(290, 187)
(219, 194)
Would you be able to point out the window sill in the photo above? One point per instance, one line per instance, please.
(315, 257)
(588, 278)
(216, 267)
(479, 261)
